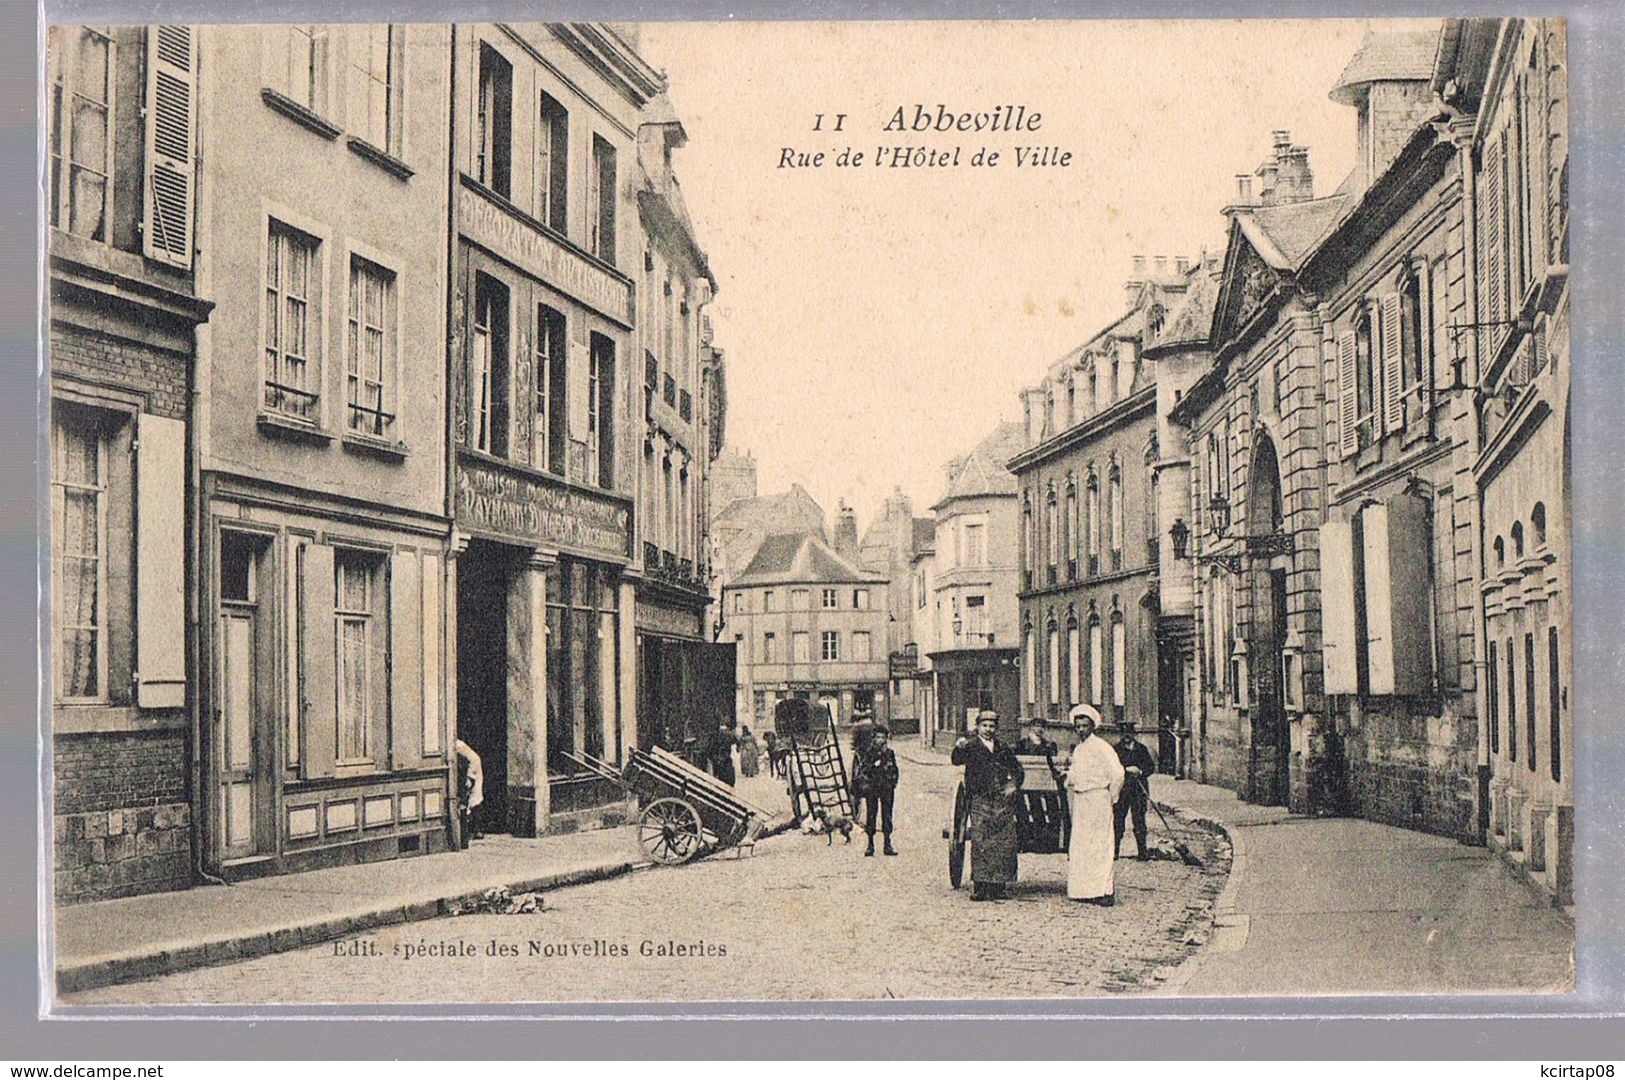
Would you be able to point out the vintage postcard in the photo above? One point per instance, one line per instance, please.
(693, 512)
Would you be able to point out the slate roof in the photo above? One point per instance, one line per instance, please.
(1285, 233)
(1191, 320)
(985, 470)
(925, 534)
(1390, 56)
(766, 510)
(802, 558)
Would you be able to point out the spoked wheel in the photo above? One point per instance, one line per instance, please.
(670, 831)
(956, 843)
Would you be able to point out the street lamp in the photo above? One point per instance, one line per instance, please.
(1180, 534)
(1219, 506)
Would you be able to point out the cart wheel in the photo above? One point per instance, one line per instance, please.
(669, 831)
(956, 845)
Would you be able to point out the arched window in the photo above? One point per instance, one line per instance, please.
(1119, 660)
(1071, 400)
(1052, 534)
(1367, 377)
(1517, 540)
(1054, 657)
(1069, 526)
(1092, 520)
(1500, 553)
(1114, 513)
(1074, 658)
(1029, 666)
(1094, 383)
(1095, 660)
(1027, 540)
(1537, 523)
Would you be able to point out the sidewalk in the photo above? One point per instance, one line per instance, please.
(1345, 906)
(139, 937)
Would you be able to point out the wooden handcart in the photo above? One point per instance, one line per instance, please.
(686, 812)
(1044, 822)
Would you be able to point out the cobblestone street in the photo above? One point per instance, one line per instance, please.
(798, 920)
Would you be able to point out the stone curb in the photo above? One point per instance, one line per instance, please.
(135, 966)
(1229, 928)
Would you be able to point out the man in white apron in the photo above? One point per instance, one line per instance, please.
(1092, 781)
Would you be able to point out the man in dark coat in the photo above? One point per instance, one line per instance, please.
(993, 777)
(1138, 765)
(722, 751)
(874, 779)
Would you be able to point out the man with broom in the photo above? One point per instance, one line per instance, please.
(1138, 765)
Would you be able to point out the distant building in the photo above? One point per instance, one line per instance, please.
(1089, 536)
(971, 596)
(738, 527)
(887, 548)
(807, 623)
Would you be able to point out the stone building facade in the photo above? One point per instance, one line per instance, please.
(123, 308)
(808, 623)
(1089, 535)
(1513, 75)
(326, 660)
(973, 646)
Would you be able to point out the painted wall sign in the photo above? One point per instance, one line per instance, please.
(515, 505)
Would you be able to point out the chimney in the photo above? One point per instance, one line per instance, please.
(846, 530)
(1131, 287)
(1295, 183)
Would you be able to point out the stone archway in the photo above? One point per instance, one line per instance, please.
(1270, 758)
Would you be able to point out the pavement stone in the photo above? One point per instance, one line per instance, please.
(800, 919)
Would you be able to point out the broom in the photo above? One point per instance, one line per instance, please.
(1186, 855)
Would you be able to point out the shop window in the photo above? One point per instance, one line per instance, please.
(362, 644)
(373, 96)
(370, 349)
(829, 645)
(552, 164)
(494, 123)
(293, 322)
(81, 88)
(488, 367)
(582, 661)
(552, 390)
(601, 197)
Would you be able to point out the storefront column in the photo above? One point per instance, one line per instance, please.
(527, 698)
(628, 659)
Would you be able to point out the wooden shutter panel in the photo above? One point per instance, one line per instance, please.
(170, 144)
(1337, 607)
(406, 633)
(1410, 539)
(321, 676)
(1493, 253)
(1348, 407)
(160, 583)
(1379, 600)
(1393, 364)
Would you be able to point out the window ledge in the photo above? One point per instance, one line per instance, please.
(288, 428)
(386, 161)
(299, 114)
(362, 444)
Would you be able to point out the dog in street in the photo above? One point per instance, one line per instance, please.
(829, 826)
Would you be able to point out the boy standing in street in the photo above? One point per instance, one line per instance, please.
(874, 779)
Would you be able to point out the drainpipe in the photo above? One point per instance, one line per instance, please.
(448, 565)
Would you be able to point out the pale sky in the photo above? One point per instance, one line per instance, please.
(879, 321)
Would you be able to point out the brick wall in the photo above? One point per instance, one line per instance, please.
(122, 823)
(107, 360)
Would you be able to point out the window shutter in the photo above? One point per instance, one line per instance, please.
(170, 149)
(1393, 364)
(405, 657)
(1493, 254)
(321, 677)
(1337, 607)
(1379, 597)
(1348, 408)
(160, 583)
(1410, 539)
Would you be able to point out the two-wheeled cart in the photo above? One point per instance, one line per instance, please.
(685, 811)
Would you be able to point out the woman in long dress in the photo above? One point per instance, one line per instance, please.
(749, 753)
(1092, 780)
